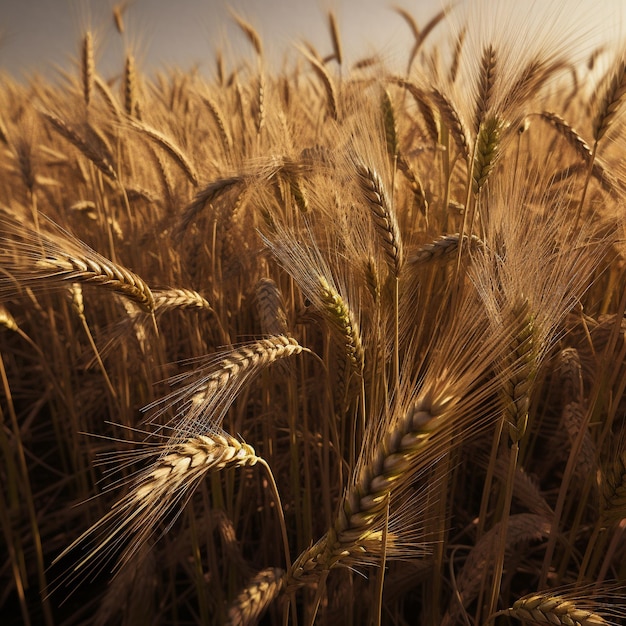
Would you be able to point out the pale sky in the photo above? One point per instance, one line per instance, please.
(36, 35)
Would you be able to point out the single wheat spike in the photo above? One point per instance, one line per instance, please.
(364, 505)
(86, 147)
(548, 608)
(569, 134)
(118, 16)
(417, 189)
(255, 597)
(571, 376)
(334, 36)
(169, 480)
(220, 123)
(45, 258)
(456, 58)
(453, 121)
(424, 105)
(445, 247)
(203, 403)
(130, 86)
(251, 34)
(183, 462)
(343, 321)
(383, 215)
(205, 196)
(521, 372)
(168, 299)
(329, 86)
(389, 121)
(486, 152)
(486, 81)
(172, 149)
(271, 307)
(613, 507)
(611, 102)
(87, 67)
(573, 418)
(7, 320)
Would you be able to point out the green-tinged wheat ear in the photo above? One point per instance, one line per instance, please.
(486, 152)
(389, 122)
(444, 248)
(611, 102)
(363, 508)
(382, 213)
(255, 597)
(341, 318)
(548, 608)
(271, 308)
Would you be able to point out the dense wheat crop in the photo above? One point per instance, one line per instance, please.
(321, 344)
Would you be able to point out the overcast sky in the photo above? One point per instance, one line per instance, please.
(36, 35)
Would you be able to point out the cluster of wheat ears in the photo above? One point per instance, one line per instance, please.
(332, 344)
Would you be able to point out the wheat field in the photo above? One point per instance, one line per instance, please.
(325, 344)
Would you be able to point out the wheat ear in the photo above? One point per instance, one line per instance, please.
(385, 222)
(168, 299)
(169, 480)
(363, 509)
(444, 248)
(44, 259)
(87, 67)
(255, 597)
(548, 608)
(168, 146)
(201, 405)
(65, 130)
(611, 102)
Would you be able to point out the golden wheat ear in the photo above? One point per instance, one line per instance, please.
(174, 467)
(43, 260)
